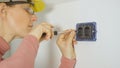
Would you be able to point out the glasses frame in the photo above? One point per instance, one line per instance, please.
(16, 2)
(11, 3)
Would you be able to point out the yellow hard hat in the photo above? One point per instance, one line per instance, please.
(38, 6)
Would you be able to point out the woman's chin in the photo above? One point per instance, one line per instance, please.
(22, 35)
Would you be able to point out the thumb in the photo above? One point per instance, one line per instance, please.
(61, 37)
(71, 36)
(37, 32)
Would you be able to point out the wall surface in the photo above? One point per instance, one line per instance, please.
(104, 53)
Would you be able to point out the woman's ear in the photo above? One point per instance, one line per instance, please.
(2, 8)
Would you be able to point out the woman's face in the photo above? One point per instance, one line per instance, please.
(20, 20)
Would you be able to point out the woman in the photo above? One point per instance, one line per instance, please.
(16, 21)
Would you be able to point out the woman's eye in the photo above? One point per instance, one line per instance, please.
(29, 10)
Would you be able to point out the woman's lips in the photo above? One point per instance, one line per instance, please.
(30, 26)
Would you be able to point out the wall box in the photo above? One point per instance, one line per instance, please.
(86, 31)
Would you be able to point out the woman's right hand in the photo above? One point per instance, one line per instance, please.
(66, 44)
(42, 28)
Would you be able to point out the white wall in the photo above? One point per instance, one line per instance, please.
(104, 53)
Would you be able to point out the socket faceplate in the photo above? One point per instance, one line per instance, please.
(86, 31)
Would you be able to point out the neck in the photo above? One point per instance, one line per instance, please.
(7, 36)
(5, 32)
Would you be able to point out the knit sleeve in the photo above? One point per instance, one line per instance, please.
(4, 46)
(67, 63)
(25, 55)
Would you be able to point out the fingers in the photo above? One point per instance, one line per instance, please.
(47, 24)
(71, 36)
(74, 42)
(67, 35)
(65, 42)
(64, 35)
(47, 30)
(49, 34)
(43, 28)
(61, 37)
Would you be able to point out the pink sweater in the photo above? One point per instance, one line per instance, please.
(25, 55)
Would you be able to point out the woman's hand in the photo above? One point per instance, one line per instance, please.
(43, 28)
(66, 43)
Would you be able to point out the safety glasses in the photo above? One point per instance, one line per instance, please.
(18, 2)
(28, 10)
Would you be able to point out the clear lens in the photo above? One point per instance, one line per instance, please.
(29, 10)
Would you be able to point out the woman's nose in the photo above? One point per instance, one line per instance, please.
(34, 18)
